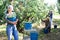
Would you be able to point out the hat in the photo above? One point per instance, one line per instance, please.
(10, 6)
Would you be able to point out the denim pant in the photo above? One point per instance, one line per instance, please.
(51, 20)
(12, 30)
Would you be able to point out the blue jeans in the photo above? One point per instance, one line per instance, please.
(51, 20)
(12, 30)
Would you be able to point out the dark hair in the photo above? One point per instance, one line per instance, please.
(7, 11)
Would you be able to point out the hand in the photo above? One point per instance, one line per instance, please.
(14, 23)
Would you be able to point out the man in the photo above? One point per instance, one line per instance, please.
(50, 14)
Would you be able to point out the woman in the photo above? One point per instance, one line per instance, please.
(11, 23)
(47, 24)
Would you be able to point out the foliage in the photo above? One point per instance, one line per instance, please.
(26, 10)
(30, 9)
(58, 6)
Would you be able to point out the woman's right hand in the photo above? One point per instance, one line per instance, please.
(14, 23)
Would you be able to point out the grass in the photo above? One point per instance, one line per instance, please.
(54, 35)
(57, 21)
(3, 35)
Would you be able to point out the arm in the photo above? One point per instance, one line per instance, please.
(8, 21)
(15, 22)
(16, 17)
(12, 22)
(44, 20)
(5, 17)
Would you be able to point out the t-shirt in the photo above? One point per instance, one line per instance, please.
(51, 15)
(11, 16)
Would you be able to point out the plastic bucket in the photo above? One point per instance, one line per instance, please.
(34, 36)
(28, 25)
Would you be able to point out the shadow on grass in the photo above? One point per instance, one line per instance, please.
(3, 35)
(54, 35)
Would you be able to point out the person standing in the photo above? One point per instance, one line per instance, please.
(50, 14)
(11, 19)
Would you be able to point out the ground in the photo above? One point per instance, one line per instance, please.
(3, 35)
(54, 35)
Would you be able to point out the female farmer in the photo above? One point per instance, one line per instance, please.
(11, 23)
(47, 24)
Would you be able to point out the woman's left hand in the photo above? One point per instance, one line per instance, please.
(15, 22)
